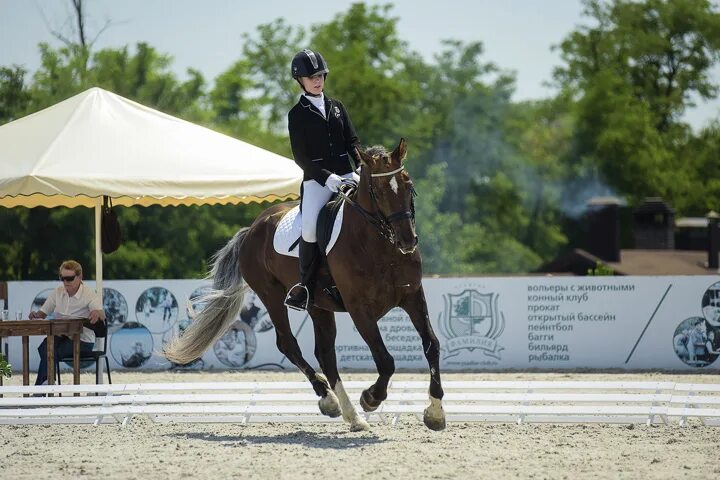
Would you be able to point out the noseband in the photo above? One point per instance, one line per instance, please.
(378, 219)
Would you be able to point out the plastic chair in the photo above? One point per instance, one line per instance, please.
(98, 353)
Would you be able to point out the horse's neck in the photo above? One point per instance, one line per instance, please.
(365, 236)
(363, 198)
(357, 218)
(359, 221)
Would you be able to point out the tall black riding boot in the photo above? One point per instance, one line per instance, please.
(300, 295)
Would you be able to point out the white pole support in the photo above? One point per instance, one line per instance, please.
(98, 248)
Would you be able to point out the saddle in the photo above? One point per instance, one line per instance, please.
(288, 234)
(326, 223)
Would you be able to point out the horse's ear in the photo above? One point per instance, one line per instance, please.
(364, 157)
(400, 151)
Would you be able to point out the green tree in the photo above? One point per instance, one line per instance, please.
(497, 224)
(14, 95)
(601, 270)
(633, 73)
(465, 109)
(702, 153)
(436, 230)
(540, 133)
(369, 71)
(146, 78)
(174, 242)
(267, 56)
(5, 368)
(494, 176)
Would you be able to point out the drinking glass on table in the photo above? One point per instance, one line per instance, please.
(4, 314)
(18, 315)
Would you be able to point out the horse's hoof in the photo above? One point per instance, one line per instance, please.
(368, 402)
(433, 423)
(359, 425)
(329, 406)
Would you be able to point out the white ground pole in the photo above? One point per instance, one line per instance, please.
(646, 403)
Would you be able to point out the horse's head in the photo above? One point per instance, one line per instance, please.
(392, 192)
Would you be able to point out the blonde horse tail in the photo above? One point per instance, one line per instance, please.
(222, 305)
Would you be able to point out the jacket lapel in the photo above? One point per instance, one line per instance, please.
(328, 106)
(304, 102)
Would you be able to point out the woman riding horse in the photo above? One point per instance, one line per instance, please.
(375, 262)
(323, 141)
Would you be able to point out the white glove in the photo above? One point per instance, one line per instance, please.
(356, 178)
(333, 182)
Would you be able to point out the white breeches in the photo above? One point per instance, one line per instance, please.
(315, 196)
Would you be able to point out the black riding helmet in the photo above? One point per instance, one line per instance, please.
(308, 63)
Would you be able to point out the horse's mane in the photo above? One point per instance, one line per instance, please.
(376, 150)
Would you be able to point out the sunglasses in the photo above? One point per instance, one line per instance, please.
(68, 278)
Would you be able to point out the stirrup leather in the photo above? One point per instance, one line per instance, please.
(289, 299)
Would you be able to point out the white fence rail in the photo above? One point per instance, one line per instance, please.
(465, 401)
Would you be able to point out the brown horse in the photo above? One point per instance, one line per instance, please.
(376, 266)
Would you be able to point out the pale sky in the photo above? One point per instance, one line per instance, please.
(206, 35)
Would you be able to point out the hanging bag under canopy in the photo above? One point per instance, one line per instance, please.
(110, 234)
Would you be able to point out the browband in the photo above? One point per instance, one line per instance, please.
(387, 174)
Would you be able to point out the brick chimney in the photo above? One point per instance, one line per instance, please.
(713, 240)
(653, 225)
(603, 220)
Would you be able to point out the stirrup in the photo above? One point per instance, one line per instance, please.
(294, 306)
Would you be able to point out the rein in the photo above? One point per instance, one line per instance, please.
(378, 220)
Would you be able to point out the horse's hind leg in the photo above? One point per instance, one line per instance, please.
(416, 308)
(325, 333)
(374, 395)
(286, 341)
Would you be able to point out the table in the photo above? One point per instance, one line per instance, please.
(72, 327)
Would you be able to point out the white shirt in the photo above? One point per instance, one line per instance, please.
(318, 102)
(79, 305)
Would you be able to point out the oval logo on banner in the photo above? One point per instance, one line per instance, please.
(472, 321)
(696, 340)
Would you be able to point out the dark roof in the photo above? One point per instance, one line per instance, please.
(634, 262)
(691, 222)
(662, 262)
(653, 205)
(576, 262)
(602, 201)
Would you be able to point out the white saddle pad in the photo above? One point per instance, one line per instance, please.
(289, 230)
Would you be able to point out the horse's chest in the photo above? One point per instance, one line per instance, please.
(393, 274)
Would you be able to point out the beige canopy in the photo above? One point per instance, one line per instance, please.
(99, 144)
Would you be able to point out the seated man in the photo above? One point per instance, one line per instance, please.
(71, 299)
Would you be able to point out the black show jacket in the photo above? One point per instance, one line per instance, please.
(322, 146)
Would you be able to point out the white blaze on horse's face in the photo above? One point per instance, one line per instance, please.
(394, 204)
(394, 185)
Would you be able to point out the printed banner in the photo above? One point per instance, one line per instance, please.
(482, 323)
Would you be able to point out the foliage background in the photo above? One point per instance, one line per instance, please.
(501, 184)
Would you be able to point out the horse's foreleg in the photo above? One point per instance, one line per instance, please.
(337, 401)
(416, 308)
(373, 396)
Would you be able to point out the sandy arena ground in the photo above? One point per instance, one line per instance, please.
(144, 450)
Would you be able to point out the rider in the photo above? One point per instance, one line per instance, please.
(324, 143)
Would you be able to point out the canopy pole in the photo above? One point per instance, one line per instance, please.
(98, 248)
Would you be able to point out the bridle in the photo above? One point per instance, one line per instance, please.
(381, 222)
(397, 215)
